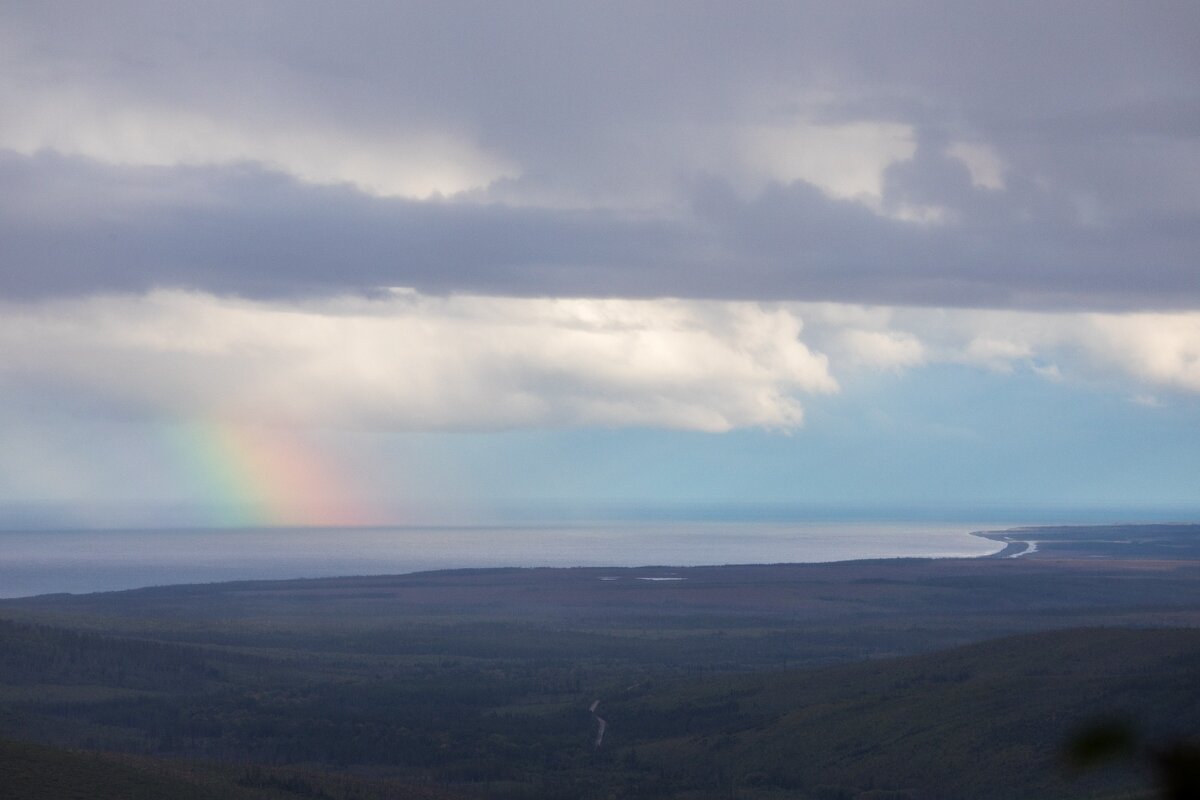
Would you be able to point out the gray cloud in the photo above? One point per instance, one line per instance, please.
(600, 150)
(71, 227)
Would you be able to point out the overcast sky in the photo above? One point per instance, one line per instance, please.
(425, 243)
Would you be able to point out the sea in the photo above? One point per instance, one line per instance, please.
(80, 561)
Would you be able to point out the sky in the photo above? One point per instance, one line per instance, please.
(273, 263)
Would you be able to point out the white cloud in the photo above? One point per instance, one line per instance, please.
(1158, 349)
(1050, 372)
(1147, 350)
(983, 162)
(846, 161)
(882, 349)
(411, 164)
(995, 353)
(418, 362)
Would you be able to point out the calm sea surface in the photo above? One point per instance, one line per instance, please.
(90, 561)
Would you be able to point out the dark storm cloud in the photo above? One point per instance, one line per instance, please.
(618, 120)
(250, 232)
(244, 231)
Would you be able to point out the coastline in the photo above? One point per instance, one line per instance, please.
(41, 562)
(1013, 547)
(1160, 541)
(56, 567)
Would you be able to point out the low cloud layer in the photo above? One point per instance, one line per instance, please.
(467, 362)
(415, 362)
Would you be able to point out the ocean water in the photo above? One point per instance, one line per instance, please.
(41, 562)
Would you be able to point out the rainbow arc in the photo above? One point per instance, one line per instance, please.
(255, 476)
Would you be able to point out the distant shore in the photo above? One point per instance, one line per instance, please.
(37, 563)
(44, 562)
(1159, 541)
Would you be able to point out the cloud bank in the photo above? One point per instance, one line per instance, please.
(408, 361)
(424, 363)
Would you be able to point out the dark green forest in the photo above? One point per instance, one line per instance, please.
(887, 679)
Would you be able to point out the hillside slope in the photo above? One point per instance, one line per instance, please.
(983, 721)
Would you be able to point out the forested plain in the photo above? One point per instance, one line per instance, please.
(950, 678)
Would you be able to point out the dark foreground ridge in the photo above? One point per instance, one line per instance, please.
(892, 679)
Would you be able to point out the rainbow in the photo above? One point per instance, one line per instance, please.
(256, 477)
